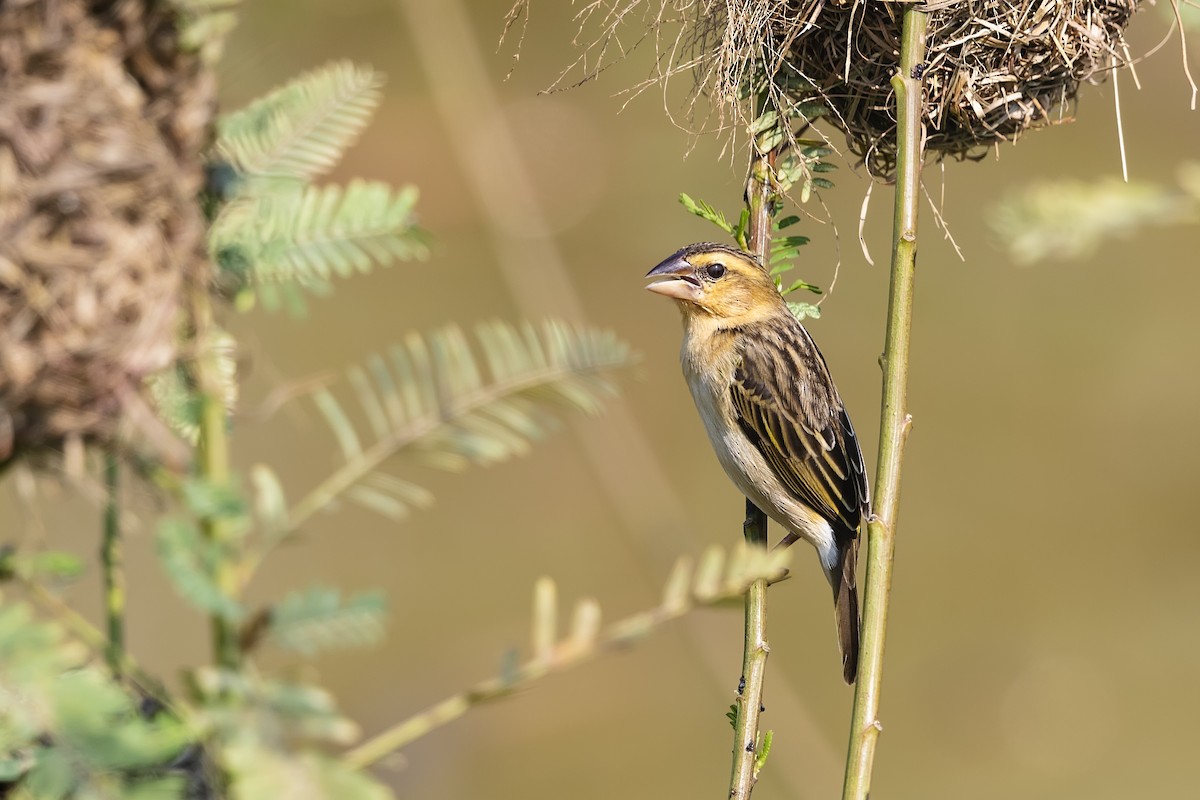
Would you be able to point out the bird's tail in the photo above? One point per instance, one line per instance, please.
(845, 612)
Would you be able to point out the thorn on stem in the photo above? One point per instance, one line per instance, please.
(875, 519)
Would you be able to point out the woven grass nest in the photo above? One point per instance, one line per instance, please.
(102, 121)
(994, 68)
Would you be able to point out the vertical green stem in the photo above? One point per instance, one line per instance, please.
(746, 740)
(112, 564)
(749, 703)
(894, 419)
(214, 467)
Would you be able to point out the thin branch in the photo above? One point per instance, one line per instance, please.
(112, 566)
(749, 705)
(894, 418)
(215, 469)
(685, 591)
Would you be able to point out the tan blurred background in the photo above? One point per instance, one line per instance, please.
(1043, 639)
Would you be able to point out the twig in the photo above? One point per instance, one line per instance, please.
(749, 705)
(214, 467)
(112, 565)
(685, 591)
(894, 418)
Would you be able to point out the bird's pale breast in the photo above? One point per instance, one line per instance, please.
(745, 466)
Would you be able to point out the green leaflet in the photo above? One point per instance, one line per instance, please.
(260, 773)
(66, 729)
(189, 558)
(318, 618)
(98, 721)
(704, 210)
(175, 395)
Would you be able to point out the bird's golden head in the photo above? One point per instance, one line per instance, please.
(718, 281)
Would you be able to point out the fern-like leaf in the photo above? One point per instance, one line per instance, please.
(176, 397)
(310, 235)
(318, 618)
(1070, 219)
(300, 130)
(430, 399)
(189, 559)
(705, 211)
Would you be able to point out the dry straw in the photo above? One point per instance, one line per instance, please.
(102, 120)
(995, 68)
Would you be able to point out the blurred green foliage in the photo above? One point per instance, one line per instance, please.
(1073, 219)
(69, 729)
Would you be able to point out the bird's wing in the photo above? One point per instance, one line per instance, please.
(789, 409)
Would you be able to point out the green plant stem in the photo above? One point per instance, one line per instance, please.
(894, 418)
(749, 705)
(112, 565)
(755, 649)
(215, 469)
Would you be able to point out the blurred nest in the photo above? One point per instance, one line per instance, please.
(103, 117)
(994, 68)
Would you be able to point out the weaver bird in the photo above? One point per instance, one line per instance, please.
(772, 412)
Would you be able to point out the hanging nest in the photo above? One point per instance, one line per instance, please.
(103, 117)
(994, 68)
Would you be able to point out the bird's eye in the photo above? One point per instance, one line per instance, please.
(715, 270)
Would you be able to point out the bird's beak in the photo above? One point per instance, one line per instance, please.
(676, 279)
